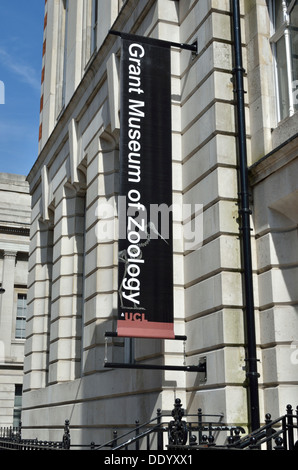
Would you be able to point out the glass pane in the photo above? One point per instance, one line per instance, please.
(22, 305)
(278, 14)
(16, 417)
(295, 74)
(94, 24)
(17, 405)
(294, 51)
(21, 313)
(20, 328)
(18, 401)
(294, 16)
(282, 78)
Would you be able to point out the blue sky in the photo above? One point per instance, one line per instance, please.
(21, 37)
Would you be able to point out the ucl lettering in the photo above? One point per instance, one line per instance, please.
(134, 316)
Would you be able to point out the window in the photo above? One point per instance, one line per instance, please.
(61, 55)
(284, 40)
(17, 409)
(21, 316)
(94, 25)
(66, 8)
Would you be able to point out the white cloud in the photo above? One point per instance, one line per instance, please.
(26, 73)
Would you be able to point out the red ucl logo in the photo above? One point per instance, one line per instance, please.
(130, 316)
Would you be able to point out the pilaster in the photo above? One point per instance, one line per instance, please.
(67, 287)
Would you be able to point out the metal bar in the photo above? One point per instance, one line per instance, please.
(120, 365)
(114, 334)
(190, 47)
(137, 431)
(159, 432)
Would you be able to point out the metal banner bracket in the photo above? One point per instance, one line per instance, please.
(201, 367)
(189, 47)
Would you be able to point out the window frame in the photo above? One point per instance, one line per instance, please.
(19, 318)
(94, 25)
(61, 59)
(17, 408)
(283, 31)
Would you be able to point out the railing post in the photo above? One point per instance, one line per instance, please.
(290, 427)
(200, 415)
(160, 431)
(114, 443)
(279, 444)
(66, 436)
(268, 420)
(177, 430)
(253, 443)
(284, 432)
(296, 416)
(210, 436)
(137, 434)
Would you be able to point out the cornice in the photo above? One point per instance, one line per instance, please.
(274, 161)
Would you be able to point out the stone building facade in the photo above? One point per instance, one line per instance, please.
(15, 218)
(73, 273)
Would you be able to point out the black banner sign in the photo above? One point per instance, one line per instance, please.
(145, 306)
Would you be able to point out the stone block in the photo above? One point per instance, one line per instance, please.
(213, 293)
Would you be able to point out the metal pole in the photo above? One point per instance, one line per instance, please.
(120, 365)
(244, 213)
(114, 334)
(189, 47)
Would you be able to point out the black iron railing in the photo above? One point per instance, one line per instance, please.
(160, 433)
(277, 434)
(175, 431)
(11, 439)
